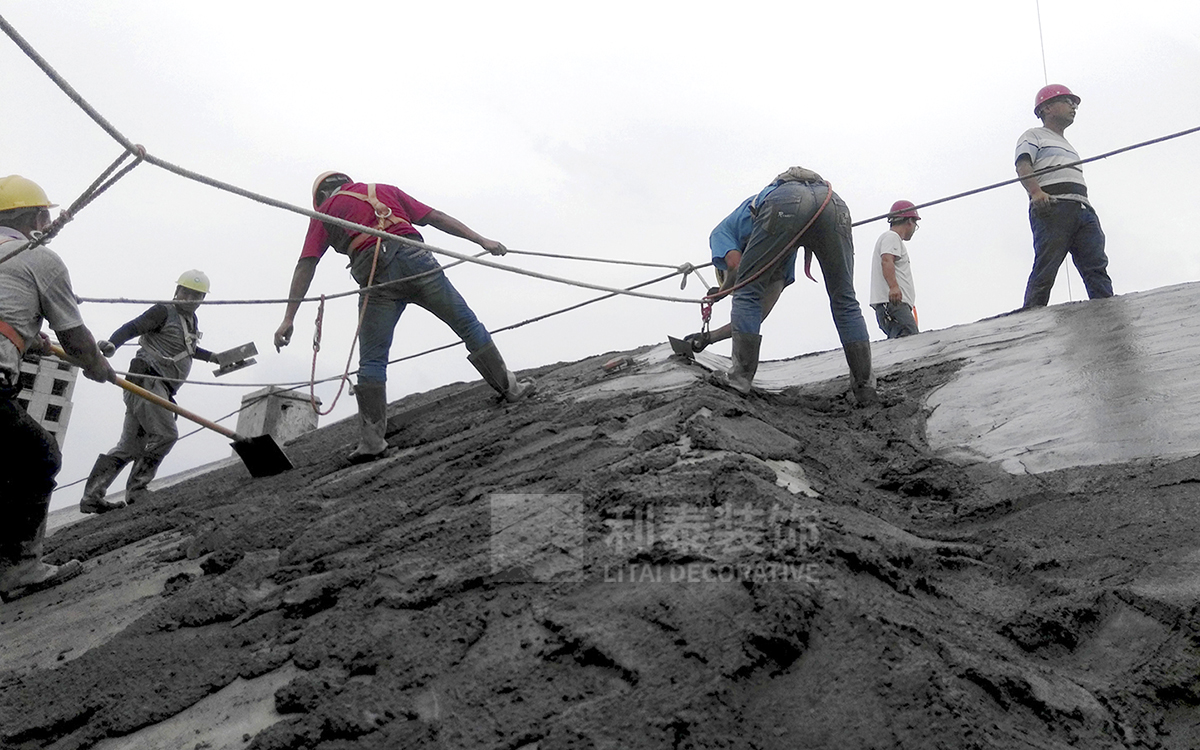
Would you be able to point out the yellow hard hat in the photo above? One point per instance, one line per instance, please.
(18, 192)
(195, 280)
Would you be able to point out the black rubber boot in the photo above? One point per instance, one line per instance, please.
(104, 471)
(22, 571)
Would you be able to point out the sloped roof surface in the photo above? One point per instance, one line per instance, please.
(639, 559)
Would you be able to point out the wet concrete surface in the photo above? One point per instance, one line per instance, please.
(615, 565)
(1094, 382)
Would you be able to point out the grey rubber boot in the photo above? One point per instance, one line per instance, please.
(372, 422)
(862, 379)
(495, 373)
(140, 476)
(104, 471)
(745, 362)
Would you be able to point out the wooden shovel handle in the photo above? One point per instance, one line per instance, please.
(157, 399)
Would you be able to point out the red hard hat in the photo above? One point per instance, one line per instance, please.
(903, 210)
(1047, 93)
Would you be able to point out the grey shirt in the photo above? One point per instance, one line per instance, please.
(34, 286)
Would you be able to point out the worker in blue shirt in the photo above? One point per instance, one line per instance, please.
(755, 248)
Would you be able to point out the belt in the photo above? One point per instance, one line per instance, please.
(1065, 188)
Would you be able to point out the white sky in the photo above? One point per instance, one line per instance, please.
(623, 131)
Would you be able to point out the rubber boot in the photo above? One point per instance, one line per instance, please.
(104, 471)
(372, 422)
(22, 571)
(495, 373)
(740, 376)
(862, 380)
(140, 477)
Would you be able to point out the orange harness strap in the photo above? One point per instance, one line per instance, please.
(384, 217)
(11, 334)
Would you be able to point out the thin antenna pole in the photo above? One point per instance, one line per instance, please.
(1042, 41)
(1046, 82)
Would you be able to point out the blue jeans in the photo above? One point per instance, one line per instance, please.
(433, 292)
(1061, 228)
(782, 214)
(895, 319)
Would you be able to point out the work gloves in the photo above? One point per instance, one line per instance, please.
(106, 347)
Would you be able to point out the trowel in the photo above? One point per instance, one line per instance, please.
(234, 359)
(682, 348)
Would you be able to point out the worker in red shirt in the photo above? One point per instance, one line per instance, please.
(419, 280)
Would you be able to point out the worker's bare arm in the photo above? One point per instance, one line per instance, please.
(450, 225)
(80, 345)
(302, 278)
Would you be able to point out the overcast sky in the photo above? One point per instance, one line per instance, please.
(619, 130)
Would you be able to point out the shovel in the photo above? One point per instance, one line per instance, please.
(260, 454)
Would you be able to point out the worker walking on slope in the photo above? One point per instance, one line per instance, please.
(34, 286)
(756, 247)
(1060, 214)
(893, 295)
(169, 334)
(397, 274)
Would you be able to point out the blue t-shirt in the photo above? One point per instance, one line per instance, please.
(734, 232)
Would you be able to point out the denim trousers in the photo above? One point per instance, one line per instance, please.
(384, 306)
(1066, 227)
(780, 217)
(895, 319)
(32, 459)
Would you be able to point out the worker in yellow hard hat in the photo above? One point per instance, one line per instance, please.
(34, 287)
(169, 336)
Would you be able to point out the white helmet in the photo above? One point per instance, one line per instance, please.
(195, 280)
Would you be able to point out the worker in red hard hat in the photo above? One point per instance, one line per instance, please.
(1060, 212)
(397, 273)
(893, 295)
(34, 288)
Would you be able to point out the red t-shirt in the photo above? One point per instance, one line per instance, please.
(321, 236)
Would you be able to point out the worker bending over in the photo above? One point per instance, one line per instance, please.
(168, 342)
(397, 274)
(756, 246)
(34, 286)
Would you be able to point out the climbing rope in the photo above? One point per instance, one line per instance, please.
(103, 183)
(98, 186)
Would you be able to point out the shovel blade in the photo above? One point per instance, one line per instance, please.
(262, 456)
(682, 348)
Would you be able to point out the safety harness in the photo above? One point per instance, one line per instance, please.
(11, 334)
(385, 219)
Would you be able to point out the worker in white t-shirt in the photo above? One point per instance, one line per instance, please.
(893, 295)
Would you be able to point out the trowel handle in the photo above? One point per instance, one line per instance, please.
(157, 399)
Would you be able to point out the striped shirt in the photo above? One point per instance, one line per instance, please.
(1045, 148)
